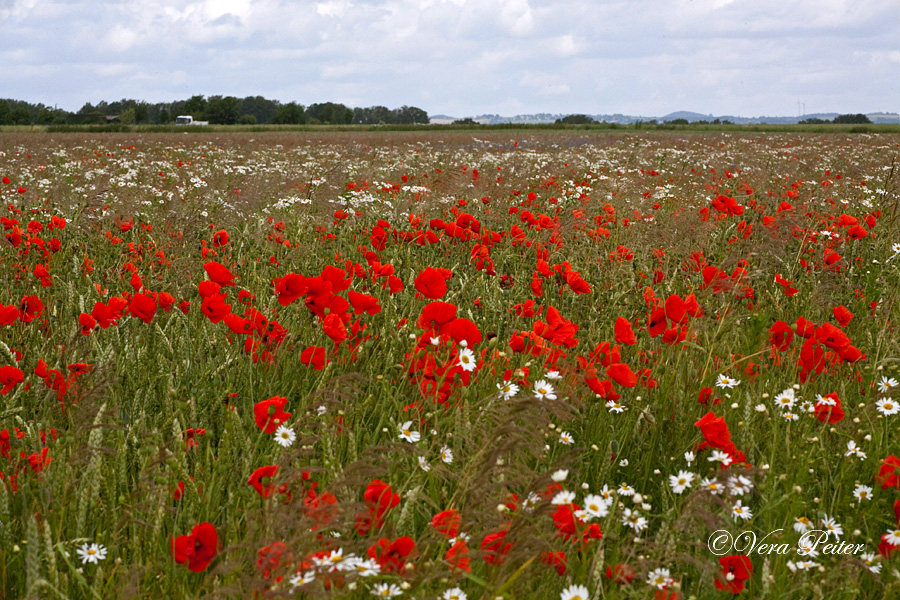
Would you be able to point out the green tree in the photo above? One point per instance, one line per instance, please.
(575, 120)
(247, 120)
(851, 119)
(289, 114)
(223, 110)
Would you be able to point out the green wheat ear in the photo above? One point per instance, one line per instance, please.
(53, 574)
(32, 554)
(90, 485)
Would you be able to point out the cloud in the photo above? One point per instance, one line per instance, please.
(462, 57)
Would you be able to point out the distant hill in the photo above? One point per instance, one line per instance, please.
(492, 119)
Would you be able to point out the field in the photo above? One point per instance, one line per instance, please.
(450, 365)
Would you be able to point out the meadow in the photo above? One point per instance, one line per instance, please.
(449, 364)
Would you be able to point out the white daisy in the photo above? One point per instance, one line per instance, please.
(454, 594)
(467, 360)
(563, 497)
(365, 568)
(802, 525)
(892, 537)
(614, 406)
(553, 375)
(739, 485)
(887, 384)
(854, 450)
(723, 381)
(423, 464)
(633, 519)
(712, 486)
(406, 433)
(681, 482)
(741, 512)
(625, 490)
(832, 527)
(596, 506)
(720, 456)
(302, 578)
(862, 492)
(566, 438)
(386, 590)
(574, 592)
(507, 389)
(887, 406)
(91, 553)
(446, 454)
(560, 475)
(659, 578)
(869, 559)
(531, 502)
(689, 457)
(785, 399)
(543, 390)
(285, 436)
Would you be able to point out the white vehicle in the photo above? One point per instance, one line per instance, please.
(188, 120)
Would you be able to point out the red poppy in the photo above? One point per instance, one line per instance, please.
(215, 308)
(831, 337)
(380, 498)
(557, 560)
(624, 332)
(578, 285)
(87, 323)
(462, 330)
(447, 523)
(622, 573)
(842, 315)
(494, 547)
(431, 283)
(622, 374)
(256, 480)
(830, 413)
(435, 315)
(716, 433)
(458, 555)
(9, 314)
(781, 335)
(142, 307)
(269, 414)
(272, 557)
(220, 238)
(334, 328)
(391, 555)
(30, 308)
(675, 311)
(197, 549)
(219, 273)
(10, 377)
(888, 475)
(207, 288)
(363, 303)
(736, 570)
(337, 277)
(314, 356)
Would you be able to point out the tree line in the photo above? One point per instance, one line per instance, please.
(218, 110)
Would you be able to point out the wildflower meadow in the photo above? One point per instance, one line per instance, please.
(445, 365)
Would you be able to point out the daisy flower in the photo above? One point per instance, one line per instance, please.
(854, 450)
(596, 506)
(739, 485)
(689, 457)
(887, 384)
(832, 527)
(712, 486)
(862, 492)
(285, 436)
(454, 594)
(560, 475)
(446, 454)
(574, 592)
(531, 502)
(543, 390)
(553, 375)
(91, 553)
(802, 525)
(633, 519)
(606, 494)
(566, 438)
(467, 360)
(887, 407)
(365, 568)
(406, 433)
(869, 559)
(788, 416)
(507, 389)
(563, 497)
(614, 406)
(624, 490)
(785, 399)
(720, 456)
(681, 482)
(302, 578)
(892, 537)
(386, 590)
(723, 381)
(741, 512)
(659, 578)
(423, 464)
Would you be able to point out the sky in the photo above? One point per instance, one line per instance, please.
(463, 57)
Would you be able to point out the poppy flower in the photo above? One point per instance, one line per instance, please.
(716, 433)
(215, 308)
(462, 330)
(87, 323)
(314, 356)
(391, 556)
(380, 498)
(207, 288)
(142, 307)
(831, 337)
(447, 523)
(9, 314)
(458, 555)
(578, 285)
(624, 334)
(888, 475)
(675, 311)
(219, 273)
(842, 315)
(337, 277)
(622, 374)
(220, 238)
(830, 412)
(269, 414)
(736, 570)
(197, 549)
(494, 547)
(431, 283)
(30, 308)
(10, 377)
(557, 560)
(256, 480)
(781, 335)
(436, 314)
(363, 303)
(334, 328)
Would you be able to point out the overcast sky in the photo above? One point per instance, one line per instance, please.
(463, 57)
